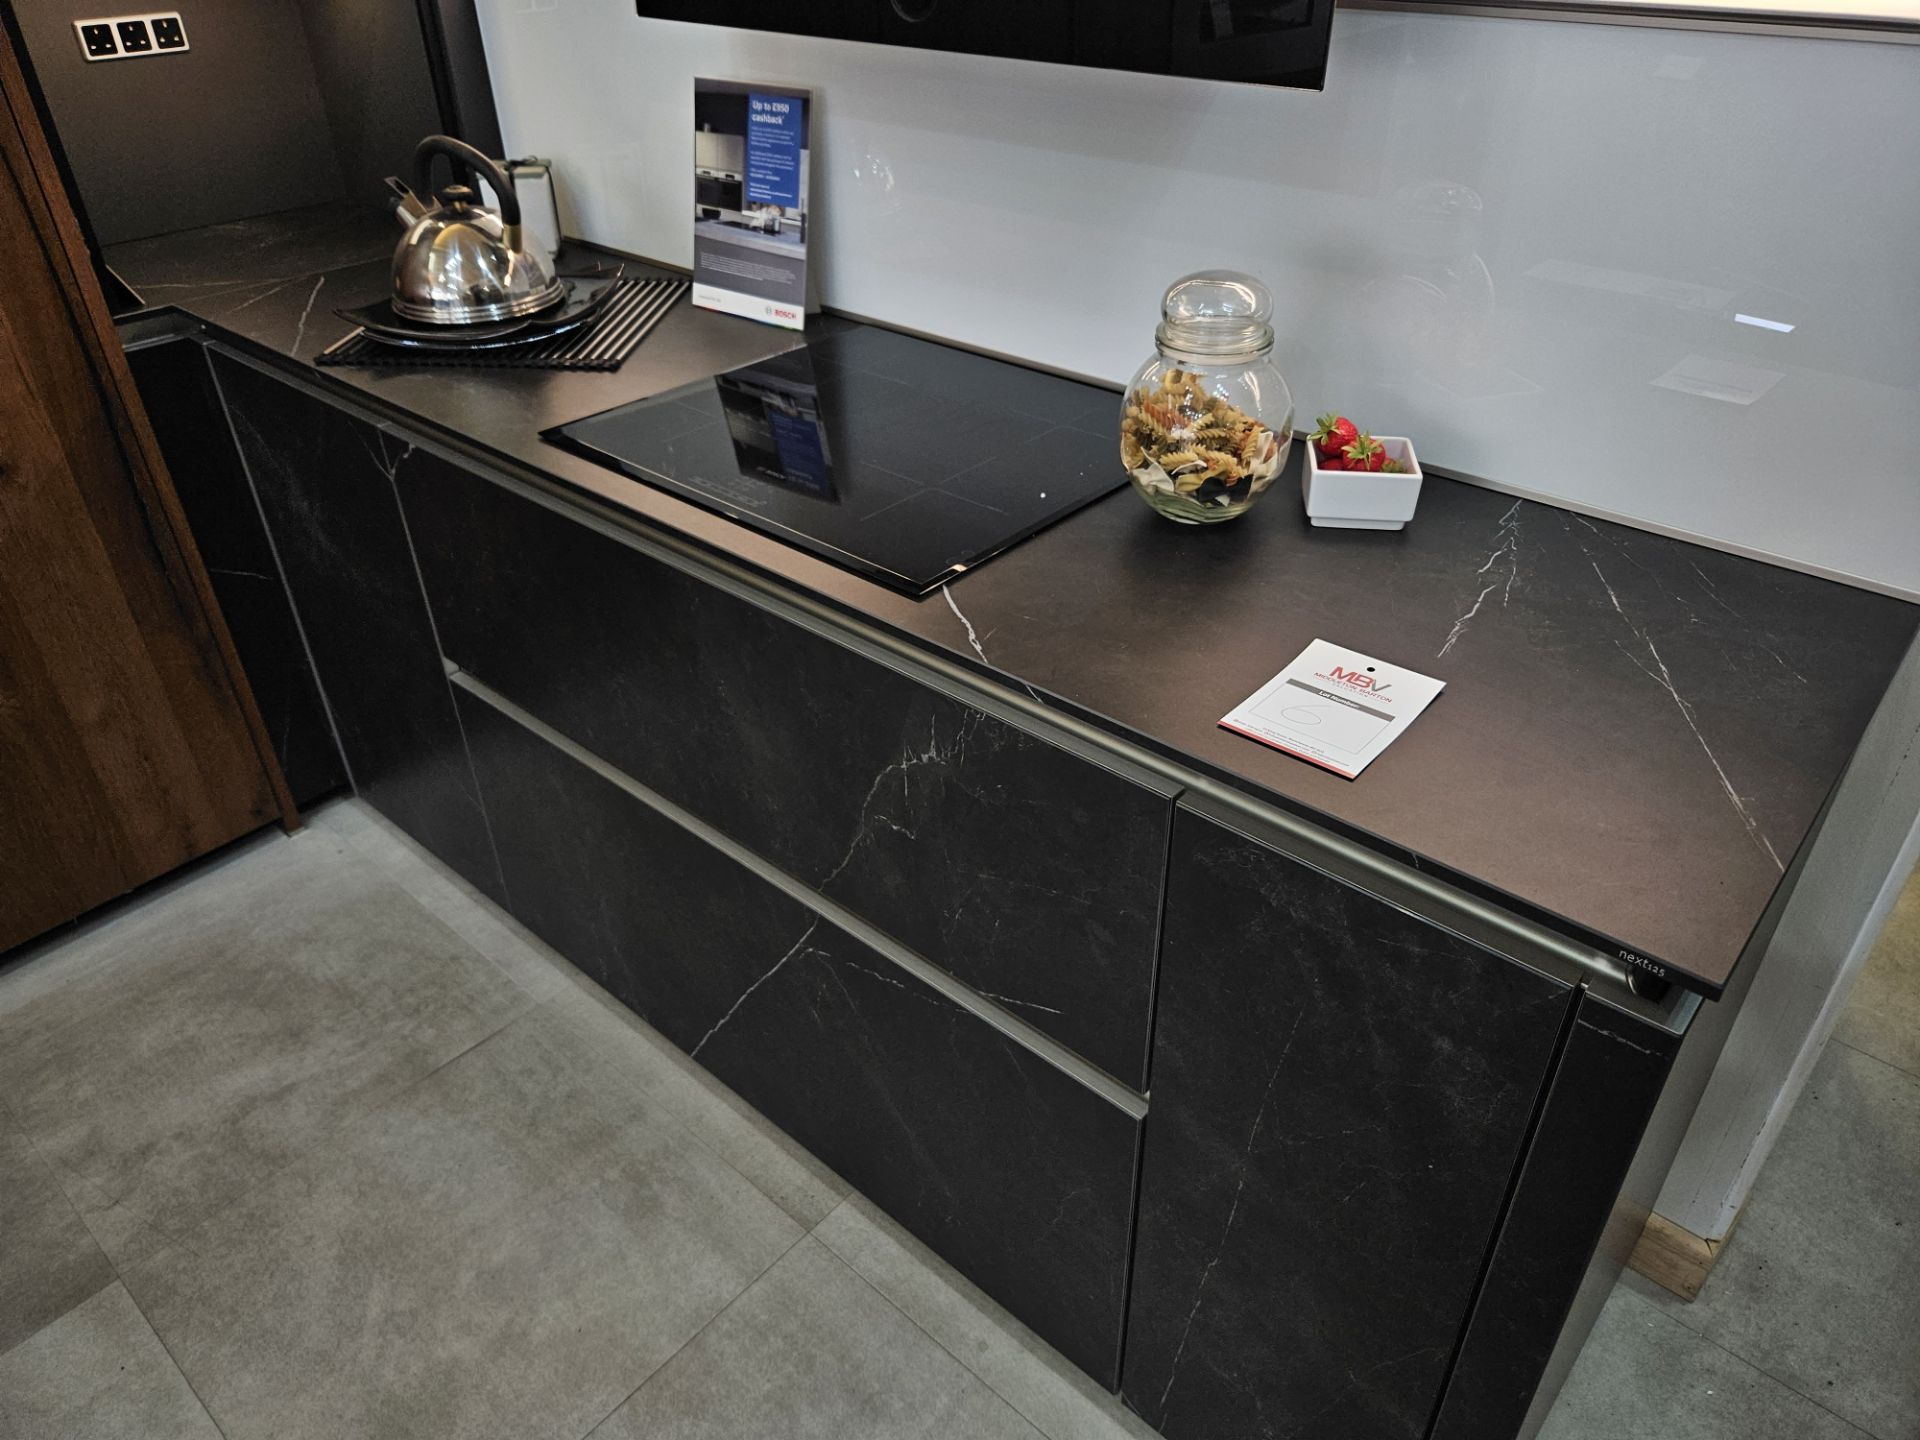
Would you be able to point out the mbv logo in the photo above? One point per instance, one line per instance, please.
(1360, 680)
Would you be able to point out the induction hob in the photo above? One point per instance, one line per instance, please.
(904, 460)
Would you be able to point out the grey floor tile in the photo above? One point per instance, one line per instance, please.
(236, 1021)
(449, 898)
(1820, 1285)
(801, 1185)
(1058, 1398)
(1882, 1017)
(812, 1352)
(61, 961)
(505, 1250)
(49, 1261)
(1644, 1376)
(98, 1373)
(734, 1130)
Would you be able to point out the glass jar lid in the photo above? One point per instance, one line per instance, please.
(1216, 315)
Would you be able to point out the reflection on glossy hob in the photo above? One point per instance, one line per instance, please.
(904, 460)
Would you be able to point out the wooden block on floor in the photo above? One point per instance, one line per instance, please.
(1674, 1259)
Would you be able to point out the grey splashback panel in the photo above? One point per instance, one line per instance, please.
(232, 126)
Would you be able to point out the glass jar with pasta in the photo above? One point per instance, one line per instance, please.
(1207, 422)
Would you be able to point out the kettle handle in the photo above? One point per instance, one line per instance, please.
(477, 163)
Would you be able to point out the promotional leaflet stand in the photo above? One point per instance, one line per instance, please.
(751, 157)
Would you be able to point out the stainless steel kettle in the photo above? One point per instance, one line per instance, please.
(462, 263)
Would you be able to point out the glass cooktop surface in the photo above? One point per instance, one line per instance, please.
(906, 461)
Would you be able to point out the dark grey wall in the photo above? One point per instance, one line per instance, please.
(371, 63)
(233, 127)
(459, 55)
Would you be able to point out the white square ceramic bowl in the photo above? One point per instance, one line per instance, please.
(1363, 499)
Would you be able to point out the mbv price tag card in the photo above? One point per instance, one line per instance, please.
(752, 147)
(1335, 707)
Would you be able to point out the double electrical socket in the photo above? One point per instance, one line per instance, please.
(127, 37)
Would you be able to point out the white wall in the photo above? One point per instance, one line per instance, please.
(1617, 195)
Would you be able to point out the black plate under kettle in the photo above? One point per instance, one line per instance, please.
(585, 295)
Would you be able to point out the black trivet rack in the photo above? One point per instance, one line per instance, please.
(627, 318)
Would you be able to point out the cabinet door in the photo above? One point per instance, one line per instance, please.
(325, 485)
(1018, 1175)
(1029, 872)
(178, 390)
(1340, 1094)
(1568, 1226)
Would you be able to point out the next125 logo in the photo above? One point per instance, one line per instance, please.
(1359, 680)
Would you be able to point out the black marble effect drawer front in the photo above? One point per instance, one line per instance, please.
(1609, 1079)
(1340, 1095)
(324, 480)
(1016, 1174)
(1031, 874)
(177, 390)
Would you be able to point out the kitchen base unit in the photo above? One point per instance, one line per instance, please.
(1206, 1071)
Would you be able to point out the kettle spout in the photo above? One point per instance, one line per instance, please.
(407, 207)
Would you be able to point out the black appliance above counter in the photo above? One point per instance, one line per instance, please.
(1260, 42)
(1231, 1079)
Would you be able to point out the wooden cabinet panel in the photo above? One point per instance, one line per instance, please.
(1341, 1092)
(127, 741)
(1029, 872)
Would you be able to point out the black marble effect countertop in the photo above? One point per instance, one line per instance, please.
(1637, 733)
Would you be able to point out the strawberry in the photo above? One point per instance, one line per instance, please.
(1393, 467)
(1329, 462)
(1365, 453)
(1336, 432)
